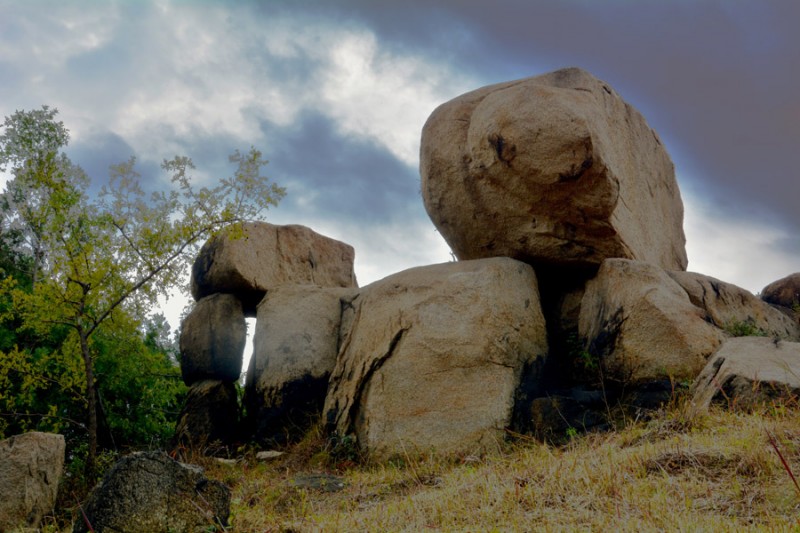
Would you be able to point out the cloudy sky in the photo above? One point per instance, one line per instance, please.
(335, 93)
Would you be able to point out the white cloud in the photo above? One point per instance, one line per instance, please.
(739, 251)
(53, 34)
(381, 250)
(200, 70)
(381, 96)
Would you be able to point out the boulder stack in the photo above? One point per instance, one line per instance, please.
(570, 294)
(231, 275)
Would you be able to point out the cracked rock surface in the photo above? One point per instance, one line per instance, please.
(432, 357)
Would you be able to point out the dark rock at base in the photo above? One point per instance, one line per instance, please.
(296, 406)
(152, 492)
(320, 482)
(553, 416)
(210, 414)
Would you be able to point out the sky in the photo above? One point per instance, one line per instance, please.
(335, 94)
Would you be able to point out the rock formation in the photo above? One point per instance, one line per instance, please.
(646, 325)
(641, 325)
(435, 357)
(212, 340)
(230, 276)
(554, 169)
(728, 307)
(570, 294)
(151, 492)
(31, 466)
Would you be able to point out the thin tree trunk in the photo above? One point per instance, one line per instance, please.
(91, 397)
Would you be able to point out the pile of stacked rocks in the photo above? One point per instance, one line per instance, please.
(570, 291)
(230, 277)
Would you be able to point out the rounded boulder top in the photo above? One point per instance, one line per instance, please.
(554, 169)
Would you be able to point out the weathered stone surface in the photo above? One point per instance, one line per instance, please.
(551, 169)
(294, 351)
(435, 356)
(151, 492)
(748, 372)
(212, 340)
(263, 256)
(784, 292)
(730, 307)
(31, 466)
(641, 326)
(210, 414)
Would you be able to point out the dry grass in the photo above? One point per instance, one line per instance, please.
(718, 473)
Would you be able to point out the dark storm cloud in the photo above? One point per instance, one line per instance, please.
(346, 177)
(96, 153)
(718, 80)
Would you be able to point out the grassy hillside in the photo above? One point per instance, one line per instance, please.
(720, 472)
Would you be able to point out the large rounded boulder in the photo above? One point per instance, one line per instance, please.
(554, 169)
(784, 292)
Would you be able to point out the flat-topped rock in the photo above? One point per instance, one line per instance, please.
(553, 169)
(251, 258)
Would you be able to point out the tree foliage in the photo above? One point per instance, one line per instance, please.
(95, 265)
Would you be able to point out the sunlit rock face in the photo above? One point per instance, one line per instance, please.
(642, 327)
(31, 468)
(432, 358)
(556, 169)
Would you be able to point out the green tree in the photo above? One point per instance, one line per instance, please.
(97, 259)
